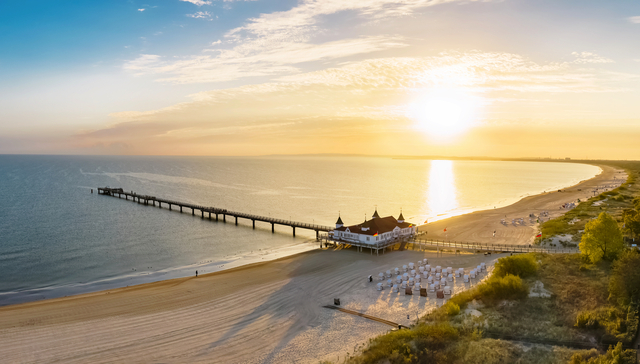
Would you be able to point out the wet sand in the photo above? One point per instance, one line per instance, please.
(268, 312)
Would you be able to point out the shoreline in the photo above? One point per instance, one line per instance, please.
(147, 276)
(478, 226)
(275, 305)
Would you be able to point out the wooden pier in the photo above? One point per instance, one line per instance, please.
(152, 200)
(420, 243)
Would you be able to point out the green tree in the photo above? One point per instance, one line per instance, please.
(624, 284)
(631, 220)
(602, 239)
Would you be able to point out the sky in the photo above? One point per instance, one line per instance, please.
(496, 78)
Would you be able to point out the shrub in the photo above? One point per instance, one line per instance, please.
(523, 265)
(509, 287)
(451, 308)
(404, 346)
(615, 355)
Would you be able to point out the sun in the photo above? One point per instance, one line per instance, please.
(444, 112)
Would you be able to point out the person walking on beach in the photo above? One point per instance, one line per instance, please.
(196, 273)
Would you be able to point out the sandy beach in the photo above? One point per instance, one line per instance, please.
(479, 226)
(268, 312)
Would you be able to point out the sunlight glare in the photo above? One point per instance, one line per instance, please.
(445, 112)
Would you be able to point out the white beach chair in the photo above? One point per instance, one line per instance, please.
(389, 283)
(397, 271)
(427, 268)
(466, 278)
(405, 276)
(404, 268)
(438, 275)
(438, 269)
(450, 277)
(447, 290)
(411, 266)
(430, 279)
(416, 287)
(395, 288)
(449, 270)
(472, 274)
(399, 279)
(404, 284)
(380, 287)
(411, 282)
(413, 272)
(380, 276)
(425, 261)
(388, 274)
(421, 269)
(432, 287)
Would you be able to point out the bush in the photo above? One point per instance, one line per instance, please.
(451, 308)
(615, 355)
(405, 346)
(523, 266)
(602, 239)
(509, 287)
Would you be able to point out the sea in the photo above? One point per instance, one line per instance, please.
(59, 237)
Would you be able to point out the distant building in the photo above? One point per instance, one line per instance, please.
(377, 232)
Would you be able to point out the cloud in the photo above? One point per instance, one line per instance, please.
(198, 2)
(142, 9)
(634, 19)
(216, 42)
(357, 100)
(233, 64)
(588, 57)
(200, 15)
(276, 43)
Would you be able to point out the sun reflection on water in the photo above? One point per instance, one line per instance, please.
(441, 193)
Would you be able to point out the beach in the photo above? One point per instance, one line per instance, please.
(267, 312)
(479, 226)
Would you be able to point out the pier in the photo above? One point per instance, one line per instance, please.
(209, 211)
(420, 243)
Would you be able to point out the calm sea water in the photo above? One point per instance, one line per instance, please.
(56, 238)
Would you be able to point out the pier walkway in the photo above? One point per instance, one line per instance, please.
(152, 200)
(420, 243)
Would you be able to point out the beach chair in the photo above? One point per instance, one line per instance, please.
(449, 270)
(440, 294)
(416, 287)
(380, 276)
(380, 287)
(408, 292)
(472, 274)
(388, 274)
(389, 283)
(395, 288)
(447, 290)
(399, 279)
(466, 278)
(405, 284)
(421, 269)
(411, 282)
(438, 269)
(405, 268)
(425, 275)
(411, 266)
(425, 261)
(450, 277)
(432, 287)
(413, 272)
(423, 292)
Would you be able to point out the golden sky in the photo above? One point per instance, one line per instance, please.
(415, 77)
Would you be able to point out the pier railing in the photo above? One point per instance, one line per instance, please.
(493, 247)
(152, 200)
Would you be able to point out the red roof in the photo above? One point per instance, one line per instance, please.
(379, 225)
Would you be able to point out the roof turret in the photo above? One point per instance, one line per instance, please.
(375, 214)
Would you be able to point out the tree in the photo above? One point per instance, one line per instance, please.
(624, 284)
(602, 239)
(631, 220)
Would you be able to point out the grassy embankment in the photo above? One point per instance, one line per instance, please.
(577, 307)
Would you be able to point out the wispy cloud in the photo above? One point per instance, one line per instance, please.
(634, 19)
(276, 43)
(589, 57)
(142, 9)
(200, 15)
(198, 2)
(368, 97)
